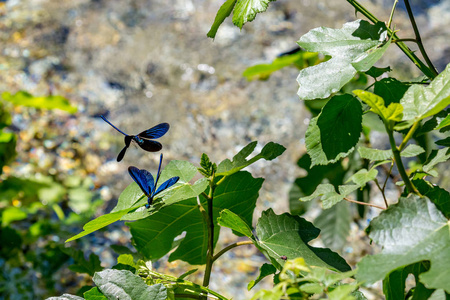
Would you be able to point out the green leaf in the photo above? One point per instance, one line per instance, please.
(5, 117)
(314, 146)
(389, 115)
(264, 271)
(100, 222)
(287, 235)
(46, 102)
(94, 294)
(377, 72)
(343, 292)
(390, 89)
(122, 284)
(154, 235)
(328, 194)
(340, 125)
(436, 157)
(439, 196)
(268, 152)
(263, 71)
(355, 47)
(410, 231)
(11, 214)
(375, 154)
(7, 148)
(363, 176)
(234, 222)
(81, 265)
(65, 297)
(223, 13)
(445, 142)
(246, 10)
(444, 123)
(334, 224)
(420, 102)
(412, 150)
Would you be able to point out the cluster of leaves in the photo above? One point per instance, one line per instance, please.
(33, 215)
(346, 111)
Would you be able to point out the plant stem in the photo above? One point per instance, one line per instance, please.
(392, 14)
(229, 247)
(419, 39)
(408, 135)
(363, 203)
(410, 54)
(382, 192)
(405, 40)
(398, 161)
(210, 253)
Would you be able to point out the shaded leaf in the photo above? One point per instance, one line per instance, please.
(420, 102)
(375, 154)
(154, 235)
(269, 152)
(355, 47)
(46, 102)
(410, 231)
(287, 235)
(264, 271)
(223, 13)
(328, 194)
(390, 89)
(334, 224)
(82, 265)
(377, 72)
(122, 284)
(445, 142)
(436, 157)
(439, 196)
(340, 125)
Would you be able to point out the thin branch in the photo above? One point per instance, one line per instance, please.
(408, 135)
(363, 203)
(229, 247)
(419, 39)
(382, 192)
(392, 14)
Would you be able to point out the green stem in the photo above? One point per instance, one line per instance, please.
(398, 161)
(408, 136)
(210, 254)
(392, 14)
(419, 39)
(410, 54)
(229, 247)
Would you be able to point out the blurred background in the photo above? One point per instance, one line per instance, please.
(141, 63)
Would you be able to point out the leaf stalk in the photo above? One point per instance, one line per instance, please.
(229, 247)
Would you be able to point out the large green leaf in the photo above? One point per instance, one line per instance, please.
(334, 224)
(154, 235)
(246, 10)
(46, 102)
(223, 13)
(420, 102)
(287, 235)
(355, 47)
(314, 146)
(130, 205)
(390, 89)
(94, 294)
(231, 220)
(328, 194)
(340, 125)
(122, 284)
(439, 196)
(268, 152)
(410, 231)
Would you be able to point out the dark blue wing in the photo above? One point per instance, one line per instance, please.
(148, 145)
(142, 179)
(104, 119)
(167, 184)
(155, 132)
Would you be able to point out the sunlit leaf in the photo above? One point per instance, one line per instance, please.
(122, 284)
(11, 214)
(328, 194)
(410, 231)
(246, 10)
(94, 294)
(391, 114)
(46, 102)
(436, 157)
(287, 235)
(420, 102)
(234, 222)
(363, 176)
(355, 47)
(263, 71)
